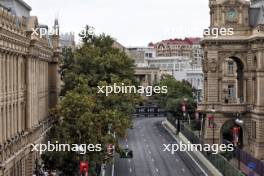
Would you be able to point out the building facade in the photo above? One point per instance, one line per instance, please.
(28, 87)
(234, 74)
(180, 68)
(147, 76)
(188, 47)
(140, 54)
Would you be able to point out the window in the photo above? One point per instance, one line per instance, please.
(254, 131)
(231, 90)
(164, 66)
(148, 55)
(170, 67)
(152, 66)
(230, 68)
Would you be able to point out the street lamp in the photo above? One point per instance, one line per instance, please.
(110, 126)
(184, 110)
(84, 165)
(236, 133)
(203, 117)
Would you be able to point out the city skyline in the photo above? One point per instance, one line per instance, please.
(131, 23)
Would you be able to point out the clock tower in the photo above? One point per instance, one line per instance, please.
(233, 67)
(230, 13)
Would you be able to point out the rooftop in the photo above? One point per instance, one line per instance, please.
(25, 4)
(177, 41)
(3, 3)
(256, 12)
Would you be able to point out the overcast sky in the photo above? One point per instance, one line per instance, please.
(131, 22)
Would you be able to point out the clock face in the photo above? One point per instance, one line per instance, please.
(232, 15)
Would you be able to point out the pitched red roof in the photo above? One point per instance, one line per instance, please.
(176, 41)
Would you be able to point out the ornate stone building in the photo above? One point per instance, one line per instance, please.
(28, 87)
(234, 74)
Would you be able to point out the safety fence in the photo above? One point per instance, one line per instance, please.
(220, 162)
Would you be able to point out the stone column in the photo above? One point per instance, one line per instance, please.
(1, 125)
(54, 84)
(28, 94)
(8, 101)
(1, 96)
(4, 67)
(260, 88)
(245, 90)
(19, 93)
(1, 74)
(4, 123)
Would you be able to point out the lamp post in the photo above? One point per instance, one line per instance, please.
(236, 134)
(203, 116)
(197, 118)
(110, 126)
(184, 110)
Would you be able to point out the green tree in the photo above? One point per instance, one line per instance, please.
(83, 115)
(179, 92)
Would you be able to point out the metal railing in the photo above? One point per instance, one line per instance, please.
(220, 162)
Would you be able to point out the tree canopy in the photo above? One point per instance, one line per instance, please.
(179, 92)
(83, 115)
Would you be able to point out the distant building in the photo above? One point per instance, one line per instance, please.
(140, 54)
(175, 66)
(197, 52)
(17, 7)
(195, 77)
(180, 68)
(147, 76)
(152, 62)
(67, 41)
(188, 47)
(119, 46)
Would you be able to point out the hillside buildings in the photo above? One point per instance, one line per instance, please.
(181, 58)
